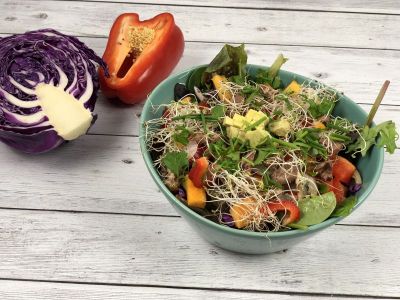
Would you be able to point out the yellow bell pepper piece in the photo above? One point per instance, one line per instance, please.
(223, 93)
(242, 213)
(196, 197)
(292, 88)
(319, 125)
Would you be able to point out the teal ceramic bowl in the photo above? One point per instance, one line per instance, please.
(242, 241)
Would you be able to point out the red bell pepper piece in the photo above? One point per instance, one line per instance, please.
(343, 170)
(290, 208)
(198, 171)
(338, 189)
(139, 54)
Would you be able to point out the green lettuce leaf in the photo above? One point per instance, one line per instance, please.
(230, 61)
(383, 135)
(317, 209)
(345, 208)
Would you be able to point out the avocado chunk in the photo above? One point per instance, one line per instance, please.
(257, 137)
(280, 127)
(239, 127)
(254, 115)
(235, 133)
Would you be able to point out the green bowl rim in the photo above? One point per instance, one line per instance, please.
(226, 229)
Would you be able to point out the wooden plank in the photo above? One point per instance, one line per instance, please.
(202, 24)
(372, 6)
(107, 174)
(97, 248)
(27, 290)
(358, 73)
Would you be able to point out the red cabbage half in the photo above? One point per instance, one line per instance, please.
(38, 71)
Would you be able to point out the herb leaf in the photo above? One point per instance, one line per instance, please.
(181, 136)
(218, 111)
(176, 162)
(324, 108)
(345, 208)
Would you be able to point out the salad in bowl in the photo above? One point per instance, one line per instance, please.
(251, 152)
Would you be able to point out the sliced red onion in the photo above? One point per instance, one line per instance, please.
(191, 149)
(227, 220)
(354, 187)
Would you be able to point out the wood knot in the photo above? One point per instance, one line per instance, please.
(262, 28)
(42, 16)
(127, 161)
(321, 75)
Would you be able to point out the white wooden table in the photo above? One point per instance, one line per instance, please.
(87, 222)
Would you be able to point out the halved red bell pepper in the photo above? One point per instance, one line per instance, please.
(290, 208)
(343, 170)
(198, 171)
(139, 55)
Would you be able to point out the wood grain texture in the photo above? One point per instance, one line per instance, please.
(107, 174)
(358, 6)
(161, 251)
(197, 23)
(358, 73)
(25, 290)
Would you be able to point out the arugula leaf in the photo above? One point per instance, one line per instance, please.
(388, 136)
(176, 162)
(386, 132)
(230, 61)
(182, 135)
(345, 208)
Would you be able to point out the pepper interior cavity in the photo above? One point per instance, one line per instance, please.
(138, 40)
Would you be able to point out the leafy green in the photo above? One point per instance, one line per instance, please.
(218, 111)
(323, 108)
(254, 100)
(230, 61)
(263, 154)
(227, 156)
(249, 89)
(269, 182)
(345, 208)
(284, 98)
(317, 209)
(176, 162)
(194, 79)
(386, 134)
(277, 64)
(181, 135)
(307, 140)
(270, 76)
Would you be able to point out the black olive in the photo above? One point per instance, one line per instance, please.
(180, 91)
